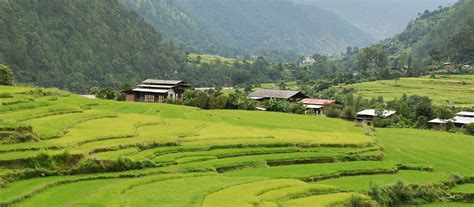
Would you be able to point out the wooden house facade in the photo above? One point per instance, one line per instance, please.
(160, 91)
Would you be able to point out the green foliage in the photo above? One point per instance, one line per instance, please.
(444, 112)
(400, 193)
(278, 31)
(469, 128)
(6, 75)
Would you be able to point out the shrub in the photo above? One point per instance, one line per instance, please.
(359, 201)
(401, 193)
(296, 108)
(276, 105)
(332, 111)
(348, 113)
(382, 123)
(469, 128)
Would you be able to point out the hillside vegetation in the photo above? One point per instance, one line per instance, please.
(252, 27)
(445, 34)
(60, 149)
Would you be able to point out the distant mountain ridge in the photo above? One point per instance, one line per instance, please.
(232, 27)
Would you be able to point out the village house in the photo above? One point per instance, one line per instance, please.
(287, 95)
(449, 66)
(368, 115)
(316, 104)
(152, 90)
(462, 118)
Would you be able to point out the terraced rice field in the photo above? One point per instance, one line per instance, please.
(87, 152)
(457, 90)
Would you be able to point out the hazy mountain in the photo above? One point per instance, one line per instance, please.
(380, 18)
(250, 26)
(79, 44)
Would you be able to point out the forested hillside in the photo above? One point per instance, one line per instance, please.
(445, 34)
(79, 44)
(381, 18)
(250, 27)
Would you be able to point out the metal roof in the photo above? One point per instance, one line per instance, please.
(372, 112)
(463, 120)
(439, 121)
(310, 101)
(165, 82)
(155, 86)
(150, 90)
(282, 94)
(466, 113)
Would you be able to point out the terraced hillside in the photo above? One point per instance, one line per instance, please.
(453, 89)
(59, 149)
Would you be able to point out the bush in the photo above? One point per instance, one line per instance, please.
(382, 123)
(469, 128)
(402, 193)
(359, 201)
(348, 113)
(332, 111)
(276, 105)
(296, 108)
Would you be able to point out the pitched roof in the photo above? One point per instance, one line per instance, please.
(463, 120)
(372, 112)
(466, 113)
(282, 94)
(439, 121)
(311, 101)
(165, 82)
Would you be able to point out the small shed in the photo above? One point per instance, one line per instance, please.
(368, 115)
(287, 95)
(316, 104)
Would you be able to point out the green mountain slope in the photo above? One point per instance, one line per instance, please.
(251, 27)
(79, 44)
(445, 34)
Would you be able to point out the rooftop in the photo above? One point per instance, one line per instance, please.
(282, 94)
(466, 113)
(372, 112)
(311, 101)
(164, 82)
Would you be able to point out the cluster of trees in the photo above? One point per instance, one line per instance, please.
(412, 111)
(216, 99)
(6, 75)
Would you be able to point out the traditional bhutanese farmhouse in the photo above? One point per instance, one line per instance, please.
(449, 66)
(462, 118)
(287, 95)
(316, 104)
(152, 90)
(368, 115)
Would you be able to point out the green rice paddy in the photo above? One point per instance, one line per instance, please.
(91, 152)
(456, 90)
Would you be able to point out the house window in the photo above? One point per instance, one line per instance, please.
(149, 98)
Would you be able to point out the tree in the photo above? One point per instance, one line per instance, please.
(6, 75)
(444, 112)
(282, 85)
(396, 76)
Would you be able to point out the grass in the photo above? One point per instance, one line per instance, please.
(454, 89)
(209, 157)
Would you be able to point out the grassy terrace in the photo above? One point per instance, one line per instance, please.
(455, 89)
(95, 152)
